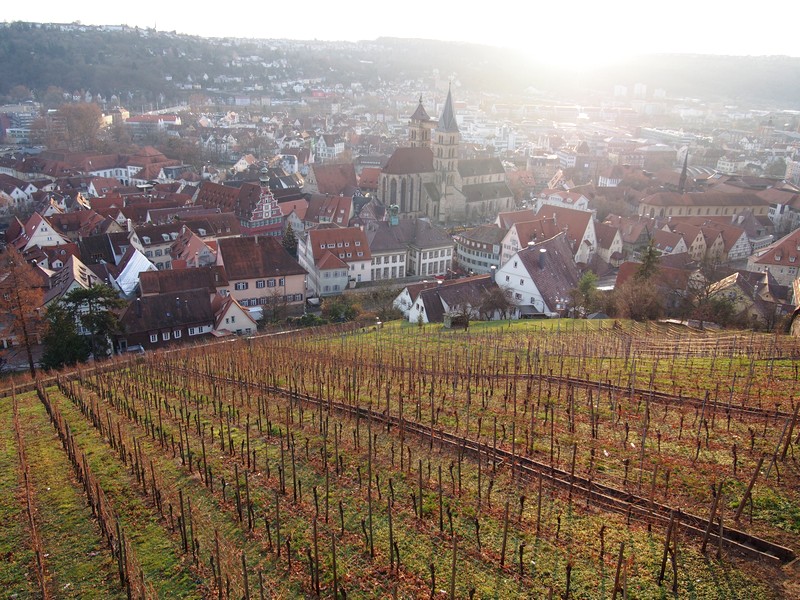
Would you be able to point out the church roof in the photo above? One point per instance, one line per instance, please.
(447, 122)
(407, 161)
(420, 114)
(480, 166)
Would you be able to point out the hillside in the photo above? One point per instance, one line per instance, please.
(148, 65)
(568, 459)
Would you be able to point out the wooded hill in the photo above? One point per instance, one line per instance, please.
(142, 64)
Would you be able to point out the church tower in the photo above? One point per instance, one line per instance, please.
(419, 128)
(446, 141)
(445, 144)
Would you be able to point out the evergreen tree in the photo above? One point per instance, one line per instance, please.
(289, 241)
(62, 343)
(95, 308)
(650, 260)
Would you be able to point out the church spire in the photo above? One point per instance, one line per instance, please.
(682, 182)
(447, 122)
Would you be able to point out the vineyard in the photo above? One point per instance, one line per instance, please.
(564, 459)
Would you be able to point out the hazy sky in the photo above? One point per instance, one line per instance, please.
(578, 32)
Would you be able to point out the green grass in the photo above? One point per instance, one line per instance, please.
(156, 548)
(78, 561)
(17, 562)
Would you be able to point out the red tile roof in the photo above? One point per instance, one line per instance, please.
(256, 257)
(342, 240)
(336, 179)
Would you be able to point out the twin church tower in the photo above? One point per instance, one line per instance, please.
(428, 178)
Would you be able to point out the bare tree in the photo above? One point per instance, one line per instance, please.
(20, 300)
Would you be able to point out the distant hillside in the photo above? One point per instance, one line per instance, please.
(146, 65)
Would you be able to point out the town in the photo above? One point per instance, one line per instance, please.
(249, 201)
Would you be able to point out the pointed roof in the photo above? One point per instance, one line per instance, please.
(447, 122)
(420, 114)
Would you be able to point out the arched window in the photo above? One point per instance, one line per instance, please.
(393, 192)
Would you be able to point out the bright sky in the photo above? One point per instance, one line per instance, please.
(587, 32)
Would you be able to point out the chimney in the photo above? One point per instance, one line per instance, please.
(542, 256)
(139, 308)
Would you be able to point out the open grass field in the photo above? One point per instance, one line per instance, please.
(569, 459)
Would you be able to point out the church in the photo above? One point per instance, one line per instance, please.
(428, 178)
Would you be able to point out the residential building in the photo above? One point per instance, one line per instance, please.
(406, 247)
(458, 297)
(540, 277)
(335, 258)
(579, 227)
(479, 249)
(260, 272)
(781, 259)
(160, 320)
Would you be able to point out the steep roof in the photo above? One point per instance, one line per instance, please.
(575, 222)
(407, 161)
(666, 241)
(447, 122)
(705, 199)
(327, 208)
(167, 311)
(536, 229)
(478, 192)
(352, 240)
(506, 219)
(418, 233)
(178, 280)
(255, 257)
(785, 251)
(369, 177)
(605, 234)
(336, 179)
(551, 265)
(480, 166)
(420, 114)
(454, 293)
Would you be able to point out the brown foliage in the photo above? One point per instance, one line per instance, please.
(20, 301)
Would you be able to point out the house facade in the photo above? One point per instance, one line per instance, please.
(330, 249)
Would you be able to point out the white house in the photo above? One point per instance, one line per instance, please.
(540, 277)
(334, 258)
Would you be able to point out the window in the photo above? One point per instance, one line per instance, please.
(358, 243)
(176, 334)
(261, 283)
(281, 281)
(233, 319)
(165, 336)
(508, 278)
(241, 285)
(153, 338)
(159, 252)
(522, 282)
(192, 331)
